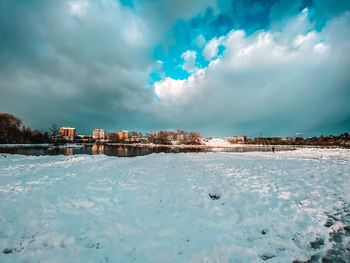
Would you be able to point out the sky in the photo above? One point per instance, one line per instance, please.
(223, 68)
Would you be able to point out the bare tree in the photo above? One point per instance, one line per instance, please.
(54, 130)
(113, 137)
(168, 137)
(194, 137)
(134, 134)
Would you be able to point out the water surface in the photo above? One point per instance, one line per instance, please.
(122, 150)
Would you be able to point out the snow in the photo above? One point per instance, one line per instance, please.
(268, 207)
(217, 142)
(71, 145)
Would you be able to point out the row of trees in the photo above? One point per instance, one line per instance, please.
(179, 137)
(331, 140)
(12, 130)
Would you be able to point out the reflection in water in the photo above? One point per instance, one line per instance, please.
(119, 150)
(97, 149)
(122, 148)
(70, 151)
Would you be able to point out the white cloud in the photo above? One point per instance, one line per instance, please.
(301, 39)
(78, 8)
(320, 47)
(189, 58)
(267, 75)
(200, 41)
(171, 89)
(262, 50)
(212, 48)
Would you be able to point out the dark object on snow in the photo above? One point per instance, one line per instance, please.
(267, 256)
(214, 196)
(7, 251)
(317, 243)
(263, 232)
(273, 149)
(326, 260)
(314, 258)
(329, 223)
(348, 247)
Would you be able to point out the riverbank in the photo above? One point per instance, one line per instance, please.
(130, 150)
(180, 146)
(232, 146)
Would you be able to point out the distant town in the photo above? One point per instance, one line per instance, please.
(12, 131)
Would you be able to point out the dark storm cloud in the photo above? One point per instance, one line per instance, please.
(82, 63)
(79, 65)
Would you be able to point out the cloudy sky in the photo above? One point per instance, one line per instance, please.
(279, 67)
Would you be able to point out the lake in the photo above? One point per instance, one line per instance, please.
(122, 150)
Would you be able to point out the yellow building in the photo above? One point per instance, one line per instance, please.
(67, 132)
(99, 134)
(123, 135)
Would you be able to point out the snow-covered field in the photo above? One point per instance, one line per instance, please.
(193, 207)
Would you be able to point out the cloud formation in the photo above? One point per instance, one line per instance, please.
(275, 81)
(79, 63)
(219, 67)
(211, 49)
(189, 58)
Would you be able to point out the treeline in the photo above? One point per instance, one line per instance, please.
(179, 137)
(342, 140)
(12, 130)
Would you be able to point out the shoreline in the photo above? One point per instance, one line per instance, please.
(184, 146)
(180, 146)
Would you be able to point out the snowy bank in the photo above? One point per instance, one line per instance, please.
(44, 145)
(217, 142)
(26, 145)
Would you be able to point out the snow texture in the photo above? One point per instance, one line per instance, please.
(217, 142)
(193, 207)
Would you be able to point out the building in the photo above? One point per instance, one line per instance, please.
(99, 134)
(120, 135)
(123, 135)
(68, 132)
